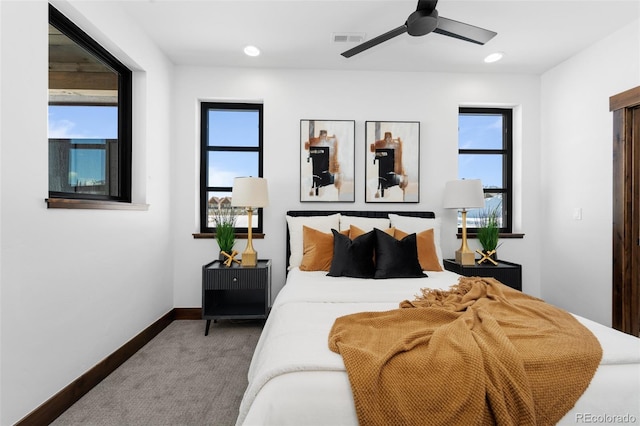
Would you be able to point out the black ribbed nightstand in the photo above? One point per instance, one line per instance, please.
(506, 272)
(235, 292)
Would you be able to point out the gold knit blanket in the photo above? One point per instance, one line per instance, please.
(481, 353)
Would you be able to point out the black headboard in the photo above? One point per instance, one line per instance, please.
(358, 213)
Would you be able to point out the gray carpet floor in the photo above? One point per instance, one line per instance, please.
(181, 377)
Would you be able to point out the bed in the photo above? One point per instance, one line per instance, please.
(295, 379)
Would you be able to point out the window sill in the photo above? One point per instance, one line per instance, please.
(69, 203)
(239, 236)
(504, 235)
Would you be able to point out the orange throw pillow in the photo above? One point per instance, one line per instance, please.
(426, 249)
(355, 232)
(317, 251)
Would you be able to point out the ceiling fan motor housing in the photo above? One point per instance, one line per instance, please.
(420, 22)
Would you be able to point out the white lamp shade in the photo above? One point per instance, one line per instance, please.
(250, 192)
(463, 194)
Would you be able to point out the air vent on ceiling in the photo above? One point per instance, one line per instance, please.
(347, 37)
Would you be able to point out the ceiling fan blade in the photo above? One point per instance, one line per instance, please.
(463, 31)
(375, 41)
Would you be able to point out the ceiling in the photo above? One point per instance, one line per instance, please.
(534, 35)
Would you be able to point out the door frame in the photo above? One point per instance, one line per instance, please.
(626, 211)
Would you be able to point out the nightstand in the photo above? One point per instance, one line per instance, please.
(235, 292)
(506, 272)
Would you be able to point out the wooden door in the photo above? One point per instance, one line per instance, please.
(626, 211)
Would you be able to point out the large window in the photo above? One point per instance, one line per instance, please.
(89, 117)
(485, 153)
(231, 146)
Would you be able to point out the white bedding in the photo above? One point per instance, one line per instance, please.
(294, 379)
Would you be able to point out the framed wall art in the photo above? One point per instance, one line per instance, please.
(392, 171)
(327, 160)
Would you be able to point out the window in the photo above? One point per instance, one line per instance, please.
(89, 117)
(485, 153)
(231, 146)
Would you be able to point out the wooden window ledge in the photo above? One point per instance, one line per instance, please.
(504, 235)
(71, 203)
(239, 236)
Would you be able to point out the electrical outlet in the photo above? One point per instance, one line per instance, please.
(577, 213)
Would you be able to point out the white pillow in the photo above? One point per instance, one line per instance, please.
(364, 223)
(411, 224)
(295, 223)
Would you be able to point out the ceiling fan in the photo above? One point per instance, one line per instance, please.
(423, 21)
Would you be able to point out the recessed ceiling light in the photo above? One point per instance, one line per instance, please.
(494, 57)
(251, 51)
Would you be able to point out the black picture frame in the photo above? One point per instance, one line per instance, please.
(327, 160)
(392, 170)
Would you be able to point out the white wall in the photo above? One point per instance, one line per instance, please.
(432, 99)
(75, 284)
(577, 172)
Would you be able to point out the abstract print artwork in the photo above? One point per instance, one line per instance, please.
(327, 160)
(392, 162)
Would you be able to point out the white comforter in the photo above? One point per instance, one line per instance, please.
(294, 379)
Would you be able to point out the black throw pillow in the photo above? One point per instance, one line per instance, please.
(353, 258)
(397, 258)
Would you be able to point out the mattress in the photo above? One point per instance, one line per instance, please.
(294, 379)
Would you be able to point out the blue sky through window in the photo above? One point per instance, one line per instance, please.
(232, 128)
(480, 132)
(83, 122)
(84, 125)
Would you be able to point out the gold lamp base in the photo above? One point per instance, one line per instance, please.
(464, 257)
(249, 256)
(249, 259)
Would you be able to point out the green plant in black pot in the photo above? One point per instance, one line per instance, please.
(225, 220)
(489, 229)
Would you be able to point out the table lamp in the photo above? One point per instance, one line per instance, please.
(464, 194)
(249, 192)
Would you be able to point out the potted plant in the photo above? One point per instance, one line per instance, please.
(489, 229)
(225, 220)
